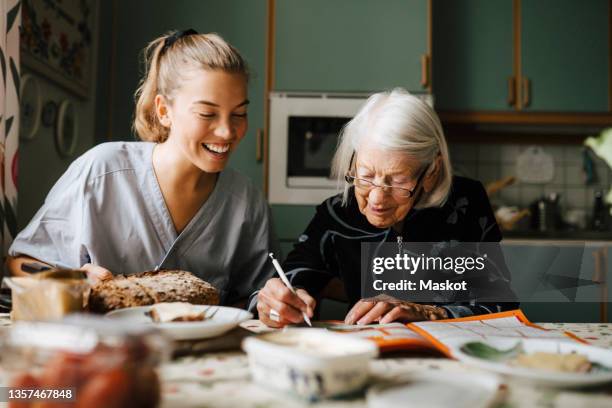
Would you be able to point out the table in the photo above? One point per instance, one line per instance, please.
(222, 379)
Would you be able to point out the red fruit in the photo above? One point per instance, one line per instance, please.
(22, 381)
(112, 388)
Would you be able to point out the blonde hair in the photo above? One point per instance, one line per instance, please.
(398, 121)
(166, 66)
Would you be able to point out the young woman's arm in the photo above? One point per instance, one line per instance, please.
(16, 267)
(24, 265)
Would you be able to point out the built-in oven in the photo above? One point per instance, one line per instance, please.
(304, 131)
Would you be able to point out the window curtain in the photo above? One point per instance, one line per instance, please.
(10, 20)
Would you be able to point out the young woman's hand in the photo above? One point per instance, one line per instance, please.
(386, 309)
(278, 306)
(96, 273)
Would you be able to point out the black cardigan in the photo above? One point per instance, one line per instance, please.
(331, 244)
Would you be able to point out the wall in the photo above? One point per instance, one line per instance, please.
(39, 163)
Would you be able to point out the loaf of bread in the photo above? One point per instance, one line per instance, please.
(147, 288)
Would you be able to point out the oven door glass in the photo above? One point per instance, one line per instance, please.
(312, 144)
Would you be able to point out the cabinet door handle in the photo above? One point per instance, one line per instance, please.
(511, 91)
(598, 275)
(526, 92)
(259, 145)
(424, 70)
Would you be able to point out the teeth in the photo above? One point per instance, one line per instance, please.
(217, 148)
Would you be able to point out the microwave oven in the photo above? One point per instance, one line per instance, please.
(304, 132)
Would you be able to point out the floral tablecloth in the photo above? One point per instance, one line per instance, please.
(223, 380)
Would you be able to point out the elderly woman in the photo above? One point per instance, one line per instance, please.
(399, 188)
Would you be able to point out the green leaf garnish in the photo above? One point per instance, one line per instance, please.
(487, 352)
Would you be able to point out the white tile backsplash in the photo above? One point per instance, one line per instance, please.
(489, 153)
(489, 162)
(574, 176)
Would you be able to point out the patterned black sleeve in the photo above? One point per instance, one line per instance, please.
(482, 227)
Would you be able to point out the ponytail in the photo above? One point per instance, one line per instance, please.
(146, 123)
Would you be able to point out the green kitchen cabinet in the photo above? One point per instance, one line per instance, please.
(565, 55)
(350, 45)
(472, 54)
(290, 221)
(523, 56)
(557, 281)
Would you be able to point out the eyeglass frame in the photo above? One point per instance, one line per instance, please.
(411, 192)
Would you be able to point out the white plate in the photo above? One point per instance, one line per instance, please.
(544, 377)
(224, 319)
(431, 389)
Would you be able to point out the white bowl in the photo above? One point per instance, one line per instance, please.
(312, 363)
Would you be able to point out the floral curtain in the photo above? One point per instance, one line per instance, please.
(10, 20)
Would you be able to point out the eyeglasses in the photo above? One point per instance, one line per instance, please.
(367, 185)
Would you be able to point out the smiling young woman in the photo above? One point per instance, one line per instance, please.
(168, 201)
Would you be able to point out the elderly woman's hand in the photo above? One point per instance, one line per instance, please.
(278, 306)
(386, 309)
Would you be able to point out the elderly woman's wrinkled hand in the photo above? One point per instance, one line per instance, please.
(278, 306)
(386, 309)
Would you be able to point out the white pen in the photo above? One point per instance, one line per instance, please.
(283, 277)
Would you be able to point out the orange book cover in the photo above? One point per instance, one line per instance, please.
(428, 335)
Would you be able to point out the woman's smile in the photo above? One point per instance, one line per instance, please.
(218, 151)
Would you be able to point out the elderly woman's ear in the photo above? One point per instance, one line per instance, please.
(433, 174)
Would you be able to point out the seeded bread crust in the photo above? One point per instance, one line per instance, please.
(147, 288)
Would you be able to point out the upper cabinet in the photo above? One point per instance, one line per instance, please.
(351, 45)
(472, 60)
(565, 55)
(532, 61)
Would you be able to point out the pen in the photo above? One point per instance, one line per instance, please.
(283, 277)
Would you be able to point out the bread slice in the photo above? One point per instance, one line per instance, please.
(147, 288)
(176, 312)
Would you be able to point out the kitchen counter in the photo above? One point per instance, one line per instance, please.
(222, 379)
(558, 235)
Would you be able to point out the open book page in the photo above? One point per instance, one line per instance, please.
(446, 334)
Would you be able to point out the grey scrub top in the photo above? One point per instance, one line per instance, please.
(108, 210)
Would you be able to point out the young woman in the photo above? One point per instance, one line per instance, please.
(168, 201)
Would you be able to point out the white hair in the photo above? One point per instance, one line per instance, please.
(397, 121)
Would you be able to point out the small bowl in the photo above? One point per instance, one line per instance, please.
(311, 363)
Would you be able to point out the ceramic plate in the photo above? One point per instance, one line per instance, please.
(223, 319)
(436, 389)
(602, 373)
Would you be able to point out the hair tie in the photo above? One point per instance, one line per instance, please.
(171, 39)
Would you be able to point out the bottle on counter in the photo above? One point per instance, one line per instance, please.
(546, 214)
(600, 213)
